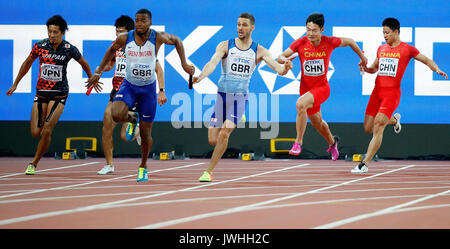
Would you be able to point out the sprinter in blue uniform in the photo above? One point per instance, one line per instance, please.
(239, 58)
(141, 49)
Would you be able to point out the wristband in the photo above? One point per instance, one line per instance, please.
(161, 89)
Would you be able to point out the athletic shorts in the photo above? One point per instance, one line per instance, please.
(111, 97)
(45, 96)
(229, 106)
(383, 100)
(320, 94)
(112, 94)
(144, 96)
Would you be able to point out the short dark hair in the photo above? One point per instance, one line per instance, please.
(392, 23)
(146, 12)
(316, 18)
(58, 21)
(248, 16)
(125, 21)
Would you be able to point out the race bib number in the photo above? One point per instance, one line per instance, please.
(51, 72)
(388, 67)
(141, 71)
(240, 67)
(121, 67)
(314, 67)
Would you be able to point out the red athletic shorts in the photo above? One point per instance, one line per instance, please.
(320, 94)
(384, 100)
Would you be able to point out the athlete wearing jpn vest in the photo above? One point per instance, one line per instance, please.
(52, 87)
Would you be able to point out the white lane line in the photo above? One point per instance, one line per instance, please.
(250, 206)
(264, 195)
(111, 204)
(43, 170)
(210, 190)
(379, 212)
(87, 183)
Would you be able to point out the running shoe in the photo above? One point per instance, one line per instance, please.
(131, 127)
(142, 175)
(296, 149)
(361, 168)
(106, 170)
(30, 169)
(397, 126)
(334, 149)
(206, 177)
(243, 118)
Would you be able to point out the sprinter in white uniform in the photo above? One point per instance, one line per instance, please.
(239, 58)
(141, 49)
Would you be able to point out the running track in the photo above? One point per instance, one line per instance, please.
(268, 194)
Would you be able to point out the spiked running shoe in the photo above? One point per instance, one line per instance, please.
(334, 149)
(206, 177)
(142, 175)
(397, 126)
(30, 169)
(106, 170)
(361, 168)
(131, 128)
(296, 149)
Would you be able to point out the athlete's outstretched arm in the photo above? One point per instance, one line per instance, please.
(109, 55)
(431, 64)
(264, 54)
(88, 71)
(85, 66)
(162, 99)
(284, 57)
(170, 39)
(372, 69)
(221, 50)
(26, 65)
(350, 42)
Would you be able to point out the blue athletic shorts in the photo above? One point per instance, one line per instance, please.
(229, 106)
(144, 96)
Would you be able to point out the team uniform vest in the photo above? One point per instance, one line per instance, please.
(53, 64)
(237, 68)
(140, 60)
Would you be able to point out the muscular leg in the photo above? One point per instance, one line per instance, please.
(222, 143)
(304, 102)
(47, 129)
(380, 122)
(369, 123)
(35, 130)
(107, 134)
(146, 142)
(213, 133)
(322, 127)
(120, 112)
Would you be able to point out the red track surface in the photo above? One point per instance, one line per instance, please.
(244, 194)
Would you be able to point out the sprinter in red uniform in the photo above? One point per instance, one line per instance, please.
(314, 51)
(392, 59)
